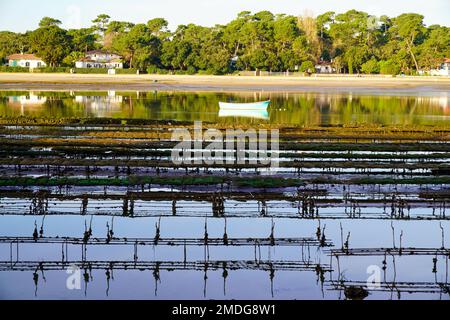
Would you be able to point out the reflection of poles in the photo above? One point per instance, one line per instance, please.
(340, 277)
(346, 243)
(108, 276)
(272, 237)
(271, 276)
(257, 246)
(36, 281)
(35, 232)
(393, 235)
(446, 270)
(205, 279)
(174, 207)
(320, 272)
(184, 253)
(84, 204)
(205, 240)
(110, 232)
(11, 251)
(86, 281)
(135, 255)
(156, 277)
(225, 235)
(394, 287)
(64, 252)
(41, 230)
(224, 275)
(157, 232)
(86, 236)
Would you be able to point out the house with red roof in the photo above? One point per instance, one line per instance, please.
(443, 69)
(26, 60)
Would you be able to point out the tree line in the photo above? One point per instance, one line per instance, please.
(354, 41)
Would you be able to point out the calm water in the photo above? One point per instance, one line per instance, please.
(286, 108)
(38, 271)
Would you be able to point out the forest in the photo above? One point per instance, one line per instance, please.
(354, 42)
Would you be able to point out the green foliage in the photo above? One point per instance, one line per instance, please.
(127, 71)
(90, 70)
(13, 69)
(11, 43)
(409, 29)
(354, 41)
(370, 66)
(158, 27)
(48, 22)
(101, 23)
(139, 46)
(152, 69)
(51, 44)
(74, 56)
(388, 67)
(52, 69)
(307, 66)
(82, 40)
(435, 47)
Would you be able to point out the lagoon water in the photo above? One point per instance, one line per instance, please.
(374, 107)
(38, 270)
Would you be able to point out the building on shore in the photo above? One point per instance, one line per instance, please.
(100, 59)
(443, 69)
(26, 60)
(324, 67)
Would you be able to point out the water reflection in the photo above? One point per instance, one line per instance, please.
(101, 106)
(242, 239)
(256, 114)
(26, 102)
(307, 109)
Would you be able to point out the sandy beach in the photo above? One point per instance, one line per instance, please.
(149, 82)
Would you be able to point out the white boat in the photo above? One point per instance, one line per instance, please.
(246, 113)
(260, 105)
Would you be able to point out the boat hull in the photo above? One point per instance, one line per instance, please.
(261, 105)
(246, 113)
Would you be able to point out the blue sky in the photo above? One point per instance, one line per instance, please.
(22, 15)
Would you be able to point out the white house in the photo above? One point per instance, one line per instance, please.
(26, 60)
(324, 67)
(443, 70)
(100, 59)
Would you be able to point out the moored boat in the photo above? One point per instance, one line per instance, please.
(260, 105)
(246, 113)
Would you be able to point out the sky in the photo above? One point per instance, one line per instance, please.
(23, 15)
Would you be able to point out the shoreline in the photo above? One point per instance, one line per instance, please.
(151, 82)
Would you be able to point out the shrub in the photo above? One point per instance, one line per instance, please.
(307, 66)
(155, 70)
(90, 70)
(371, 66)
(52, 69)
(389, 67)
(127, 71)
(13, 69)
